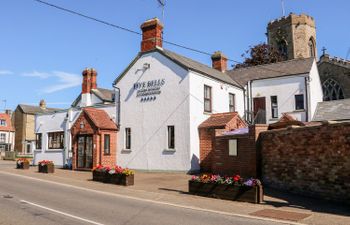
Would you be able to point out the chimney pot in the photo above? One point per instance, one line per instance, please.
(152, 35)
(219, 61)
(42, 104)
(89, 80)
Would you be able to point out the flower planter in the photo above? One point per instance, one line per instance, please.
(100, 176)
(121, 179)
(23, 165)
(229, 192)
(48, 168)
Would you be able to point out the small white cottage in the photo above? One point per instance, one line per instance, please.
(54, 139)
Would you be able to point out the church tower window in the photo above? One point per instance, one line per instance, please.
(312, 48)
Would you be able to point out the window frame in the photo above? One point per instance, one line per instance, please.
(127, 138)
(106, 151)
(56, 137)
(3, 138)
(233, 105)
(297, 101)
(233, 152)
(38, 140)
(210, 99)
(3, 123)
(274, 116)
(171, 137)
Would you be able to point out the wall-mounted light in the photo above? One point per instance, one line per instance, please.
(146, 66)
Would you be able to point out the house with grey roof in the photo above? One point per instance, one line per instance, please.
(53, 137)
(23, 120)
(291, 87)
(165, 96)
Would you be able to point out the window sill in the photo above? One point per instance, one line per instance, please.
(169, 150)
(126, 151)
(299, 110)
(54, 150)
(207, 113)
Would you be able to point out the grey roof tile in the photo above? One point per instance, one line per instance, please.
(333, 110)
(285, 68)
(31, 109)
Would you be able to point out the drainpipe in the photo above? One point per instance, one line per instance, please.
(117, 105)
(307, 98)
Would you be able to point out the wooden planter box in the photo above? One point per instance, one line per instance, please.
(228, 192)
(99, 176)
(120, 179)
(49, 168)
(23, 165)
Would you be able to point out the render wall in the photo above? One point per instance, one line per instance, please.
(220, 104)
(313, 161)
(149, 119)
(285, 88)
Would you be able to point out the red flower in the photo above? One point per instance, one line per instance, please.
(236, 178)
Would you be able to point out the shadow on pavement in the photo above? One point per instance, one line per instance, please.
(279, 198)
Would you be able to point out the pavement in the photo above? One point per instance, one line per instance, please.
(155, 198)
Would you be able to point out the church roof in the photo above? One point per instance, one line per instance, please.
(280, 69)
(338, 110)
(188, 64)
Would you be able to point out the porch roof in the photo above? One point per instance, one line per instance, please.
(100, 118)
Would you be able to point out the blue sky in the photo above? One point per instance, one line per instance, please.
(43, 50)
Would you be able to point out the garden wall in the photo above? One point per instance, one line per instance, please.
(313, 161)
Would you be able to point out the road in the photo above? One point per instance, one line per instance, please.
(30, 201)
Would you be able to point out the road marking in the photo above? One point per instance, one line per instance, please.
(62, 213)
(157, 202)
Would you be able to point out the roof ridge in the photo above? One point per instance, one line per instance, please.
(267, 64)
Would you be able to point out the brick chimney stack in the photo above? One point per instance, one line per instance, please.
(152, 35)
(219, 61)
(89, 80)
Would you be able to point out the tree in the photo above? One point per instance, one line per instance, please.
(260, 54)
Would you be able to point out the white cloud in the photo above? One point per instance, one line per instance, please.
(37, 74)
(5, 72)
(65, 80)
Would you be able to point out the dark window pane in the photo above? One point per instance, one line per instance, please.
(171, 137)
(107, 144)
(274, 107)
(299, 102)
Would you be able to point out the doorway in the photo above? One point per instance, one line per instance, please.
(84, 156)
(259, 110)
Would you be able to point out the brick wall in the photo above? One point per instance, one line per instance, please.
(245, 163)
(206, 140)
(313, 161)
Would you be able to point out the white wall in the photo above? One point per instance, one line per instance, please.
(149, 120)
(10, 138)
(220, 103)
(285, 88)
(316, 92)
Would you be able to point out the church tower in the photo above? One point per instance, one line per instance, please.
(294, 36)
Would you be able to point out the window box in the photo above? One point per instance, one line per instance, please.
(46, 167)
(228, 192)
(117, 175)
(121, 179)
(24, 165)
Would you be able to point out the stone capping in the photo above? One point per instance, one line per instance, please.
(292, 18)
(290, 128)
